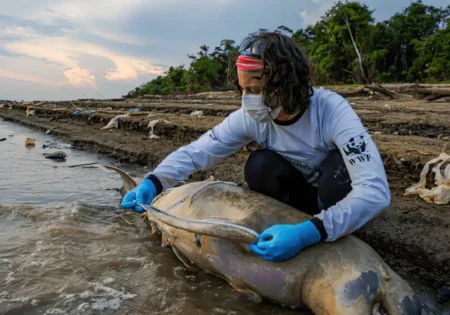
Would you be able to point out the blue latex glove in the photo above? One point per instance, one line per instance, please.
(284, 241)
(142, 193)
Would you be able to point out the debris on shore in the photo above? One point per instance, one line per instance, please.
(79, 112)
(30, 142)
(56, 145)
(440, 194)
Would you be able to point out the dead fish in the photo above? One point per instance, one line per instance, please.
(30, 112)
(344, 277)
(197, 113)
(152, 125)
(56, 145)
(58, 156)
(115, 121)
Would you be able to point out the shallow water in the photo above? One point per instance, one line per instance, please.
(66, 247)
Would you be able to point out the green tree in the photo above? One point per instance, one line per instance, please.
(433, 56)
(410, 28)
(338, 44)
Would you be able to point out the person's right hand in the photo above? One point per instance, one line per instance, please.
(142, 193)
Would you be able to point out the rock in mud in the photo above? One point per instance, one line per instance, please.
(443, 294)
(58, 156)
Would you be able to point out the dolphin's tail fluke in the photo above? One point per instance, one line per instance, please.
(128, 182)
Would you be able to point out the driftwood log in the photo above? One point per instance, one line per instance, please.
(430, 94)
(418, 92)
(382, 90)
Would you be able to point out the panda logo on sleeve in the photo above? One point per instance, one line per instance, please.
(355, 146)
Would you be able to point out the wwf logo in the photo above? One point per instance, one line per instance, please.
(355, 146)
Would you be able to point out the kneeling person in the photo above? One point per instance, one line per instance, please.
(317, 155)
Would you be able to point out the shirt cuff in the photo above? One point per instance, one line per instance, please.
(320, 227)
(156, 182)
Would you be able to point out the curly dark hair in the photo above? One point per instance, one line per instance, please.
(287, 70)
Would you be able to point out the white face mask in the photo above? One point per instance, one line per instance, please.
(254, 106)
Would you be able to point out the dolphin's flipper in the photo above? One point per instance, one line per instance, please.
(153, 227)
(241, 287)
(189, 266)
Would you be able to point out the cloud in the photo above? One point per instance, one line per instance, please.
(65, 52)
(54, 27)
(91, 17)
(30, 70)
(56, 40)
(50, 48)
(28, 78)
(80, 77)
(310, 17)
(113, 10)
(13, 32)
(98, 9)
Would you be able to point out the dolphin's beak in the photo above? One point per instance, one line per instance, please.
(213, 228)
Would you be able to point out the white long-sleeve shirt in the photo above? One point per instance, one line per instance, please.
(328, 124)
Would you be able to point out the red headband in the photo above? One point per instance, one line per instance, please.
(249, 63)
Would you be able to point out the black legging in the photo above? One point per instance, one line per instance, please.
(269, 173)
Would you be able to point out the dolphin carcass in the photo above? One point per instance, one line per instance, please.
(210, 224)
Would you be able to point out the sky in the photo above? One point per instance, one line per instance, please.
(70, 49)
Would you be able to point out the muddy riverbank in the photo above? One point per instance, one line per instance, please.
(411, 235)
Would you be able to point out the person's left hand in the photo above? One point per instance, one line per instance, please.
(141, 194)
(284, 241)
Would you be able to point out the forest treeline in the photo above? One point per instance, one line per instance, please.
(345, 46)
